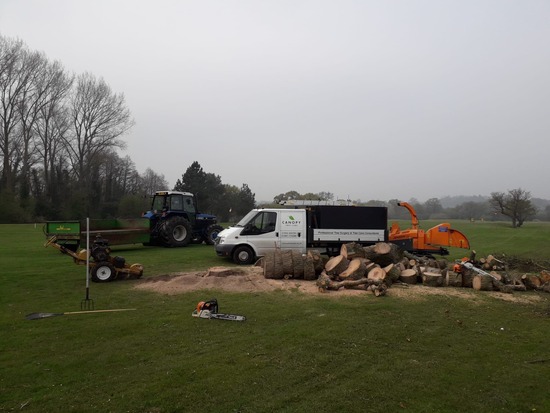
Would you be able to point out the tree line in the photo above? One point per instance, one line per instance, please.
(60, 134)
(516, 205)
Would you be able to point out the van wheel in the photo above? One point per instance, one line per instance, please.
(243, 255)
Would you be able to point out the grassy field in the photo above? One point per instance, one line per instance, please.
(294, 353)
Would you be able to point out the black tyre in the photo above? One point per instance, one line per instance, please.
(176, 232)
(103, 272)
(243, 255)
(212, 233)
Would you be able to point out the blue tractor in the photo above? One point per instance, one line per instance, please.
(175, 222)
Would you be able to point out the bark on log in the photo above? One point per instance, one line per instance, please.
(432, 277)
(453, 279)
(482, 283)
(324, 283)
(278, 270)
(352, 250)
(467, 277)
(318, 261)
(336, 265)
(309, 268)
(298, 264)
(288, 265)
(392, 273)
(269, 265)
(408, 276)
(355, 271)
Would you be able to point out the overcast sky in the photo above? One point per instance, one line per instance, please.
(365, 99)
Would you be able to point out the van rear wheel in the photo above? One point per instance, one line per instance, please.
(243, 255)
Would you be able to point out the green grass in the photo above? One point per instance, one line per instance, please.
(293, 354)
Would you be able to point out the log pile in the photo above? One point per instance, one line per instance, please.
(377, 267)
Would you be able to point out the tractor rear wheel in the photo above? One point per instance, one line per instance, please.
(176, 232)
(103, 272)
(211, 233)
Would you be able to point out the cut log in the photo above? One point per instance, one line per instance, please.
(298, 264)
(384, 253)
(309, 268)
(355, 271)
(352, 250)
(467, 277)
(392, 273)
(317, 259)
(278, 270)
(376, 273)
(288, 265)
(432, 277)
(408, 276)
(453, 279)
(482, 283)
(531, 281)
(269, 265)
(545, 276)
(336, 265)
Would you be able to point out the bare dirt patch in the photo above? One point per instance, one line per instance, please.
(252, 280)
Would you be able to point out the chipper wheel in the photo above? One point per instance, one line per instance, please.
(176, 232)
(103, 272)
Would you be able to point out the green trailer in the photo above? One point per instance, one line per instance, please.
(72, 234)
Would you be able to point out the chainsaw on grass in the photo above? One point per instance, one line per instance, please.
(209, 309)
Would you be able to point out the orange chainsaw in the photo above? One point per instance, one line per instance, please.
(209, 309)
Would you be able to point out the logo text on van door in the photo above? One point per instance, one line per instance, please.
(291, 221)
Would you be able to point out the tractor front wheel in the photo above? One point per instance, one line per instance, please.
(212, 233)
(103, 272)
(176, 232)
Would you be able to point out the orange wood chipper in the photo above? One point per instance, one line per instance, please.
(431, 241)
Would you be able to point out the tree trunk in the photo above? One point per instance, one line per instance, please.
(288, 265)
(432, 277)
(453, 279)
(298, 264)
(309, 268)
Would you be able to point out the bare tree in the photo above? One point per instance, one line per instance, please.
(12, 83)
(515, 205)
(99, 118)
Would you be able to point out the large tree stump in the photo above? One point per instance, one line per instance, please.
(222, 272)
(408, 276)
(336, 265)
(482, 282)
(383, 253)
(355, 271)
(352, 250)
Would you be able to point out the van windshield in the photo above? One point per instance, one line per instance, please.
(246, 219)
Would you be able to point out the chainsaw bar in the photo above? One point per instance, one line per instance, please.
(218, 316)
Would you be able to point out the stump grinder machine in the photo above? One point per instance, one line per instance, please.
(103, 267)
(432, 241)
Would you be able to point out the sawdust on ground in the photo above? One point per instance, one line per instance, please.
(252, 280)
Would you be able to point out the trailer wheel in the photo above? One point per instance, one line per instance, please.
(243, 255)
(212, 233)
(103, 272)
(176, 232)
